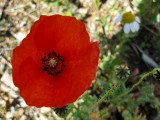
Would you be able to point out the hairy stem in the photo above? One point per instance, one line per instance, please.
(111, 90)
(108, 93)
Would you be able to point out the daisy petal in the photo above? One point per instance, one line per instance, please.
(136, 26)
(138, 19)
(118, 19)
(132, 27)
(126, 28)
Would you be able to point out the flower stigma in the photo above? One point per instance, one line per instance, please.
(128, 17)
(52, 62)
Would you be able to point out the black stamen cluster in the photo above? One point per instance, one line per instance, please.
(49, 69)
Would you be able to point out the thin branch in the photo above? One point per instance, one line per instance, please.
(102, 73)
(130, 4)
(109, 92)
(7, 61)
(104, 32)
(4, 8)
(6, 49)
(139, 82)
(150, 30)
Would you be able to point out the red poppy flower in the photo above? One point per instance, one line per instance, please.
(55, 63)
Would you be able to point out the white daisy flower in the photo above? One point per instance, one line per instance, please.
(130, 22)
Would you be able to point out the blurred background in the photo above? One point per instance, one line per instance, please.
(123, 56)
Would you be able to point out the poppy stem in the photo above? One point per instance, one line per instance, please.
(139, 81)
(111, 90)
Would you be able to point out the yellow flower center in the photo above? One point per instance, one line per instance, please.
(52, 62)
(127, 17)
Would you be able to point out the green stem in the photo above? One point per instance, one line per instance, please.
(139, 82)
(118, 84)
(105, 95)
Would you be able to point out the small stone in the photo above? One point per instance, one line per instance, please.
(7, 80)
(23, 118)
(44, 110)
(13, 94)
(43, 117)
(83, 10)
(22, 103)
(4, 88)
(9, 115)
(12, 110)
(2, 102)
(20, 112)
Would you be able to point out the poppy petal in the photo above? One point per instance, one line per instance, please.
(62, 35)
(68, 38)
(72, 84)
(80, 78)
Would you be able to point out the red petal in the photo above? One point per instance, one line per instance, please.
(44, 90)
(82, 72)
(20, 53)
(61, 34)
(40, 89)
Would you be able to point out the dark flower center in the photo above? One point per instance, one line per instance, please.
(52, 63)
